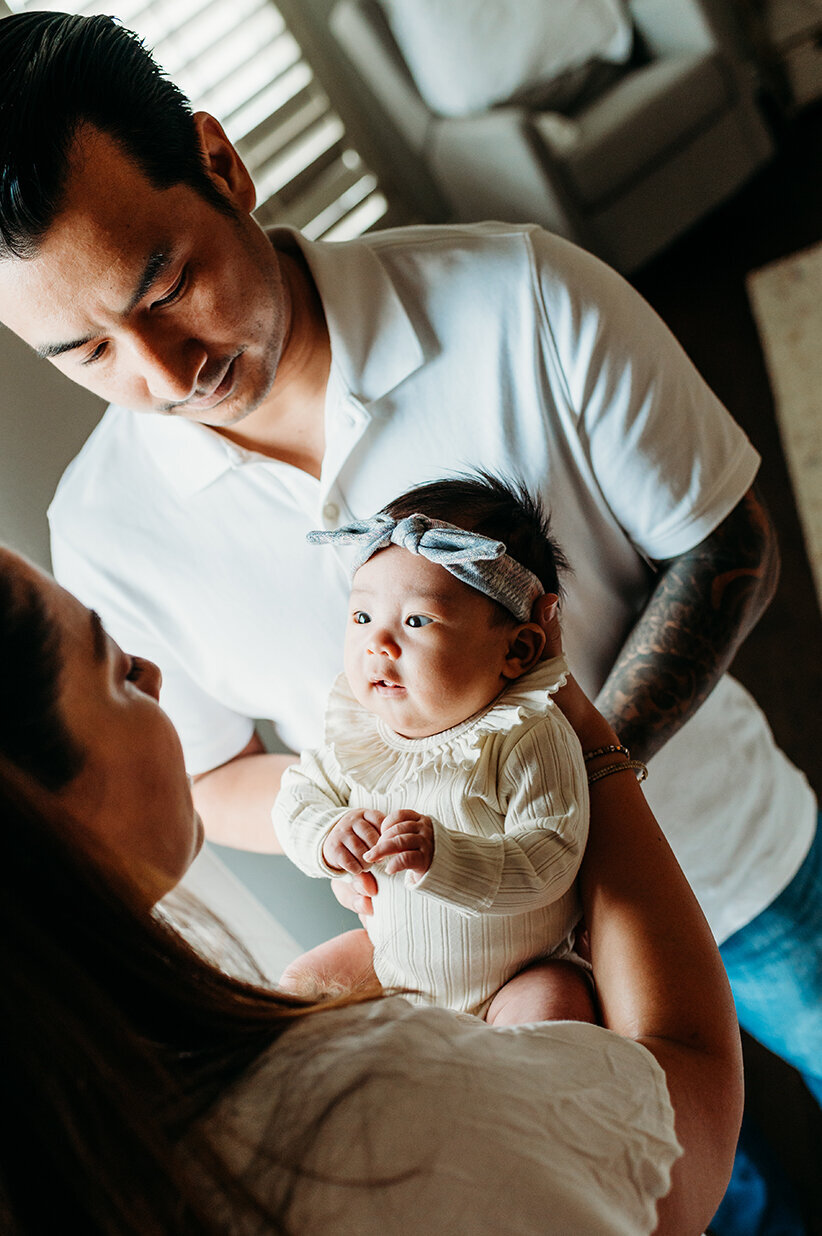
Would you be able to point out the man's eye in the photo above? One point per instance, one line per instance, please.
(361, 617)
(174, 294)
(96, 354)
(417, 620)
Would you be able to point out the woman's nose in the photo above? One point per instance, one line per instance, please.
(151, 679)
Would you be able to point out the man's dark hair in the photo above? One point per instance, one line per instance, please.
(59, 72)
(491, 506)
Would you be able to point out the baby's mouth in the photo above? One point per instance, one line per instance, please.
(387, 688)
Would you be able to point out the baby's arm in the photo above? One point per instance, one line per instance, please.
(542, 787)
(313, 798)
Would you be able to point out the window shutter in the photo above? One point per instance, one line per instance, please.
(237, 60)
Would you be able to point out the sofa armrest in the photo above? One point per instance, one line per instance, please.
(495, 166)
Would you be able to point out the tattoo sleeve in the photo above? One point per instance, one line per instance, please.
(704, 604)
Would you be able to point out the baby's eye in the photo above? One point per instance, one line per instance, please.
(361, 617)
(417, 620)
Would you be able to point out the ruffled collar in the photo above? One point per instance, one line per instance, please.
(371, 753)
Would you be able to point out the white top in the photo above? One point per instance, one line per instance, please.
(489, 345)
(561, 1127)
(507, 793)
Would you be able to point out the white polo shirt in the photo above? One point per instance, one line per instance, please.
(493, 346)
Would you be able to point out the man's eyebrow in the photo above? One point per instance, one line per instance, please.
(47, 350)
(98, 636)
(157, 262)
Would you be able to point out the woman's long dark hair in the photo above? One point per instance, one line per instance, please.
(115, 1034)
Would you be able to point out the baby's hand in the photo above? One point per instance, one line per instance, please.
(406, 843)
(353, 834)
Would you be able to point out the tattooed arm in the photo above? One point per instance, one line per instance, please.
(704, 604)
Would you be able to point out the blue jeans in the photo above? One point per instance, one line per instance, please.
(775, 968)
(774, 964)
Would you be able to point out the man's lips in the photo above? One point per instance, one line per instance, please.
(201, 403)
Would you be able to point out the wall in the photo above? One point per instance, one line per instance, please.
(44, 420)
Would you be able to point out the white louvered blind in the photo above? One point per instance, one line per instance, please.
(237, 60)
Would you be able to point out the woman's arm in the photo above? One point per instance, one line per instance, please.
(659, 976)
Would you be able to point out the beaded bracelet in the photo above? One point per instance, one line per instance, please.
(635, 766)
(613, 748)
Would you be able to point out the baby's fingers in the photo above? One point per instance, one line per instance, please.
(341, 857)
(402, 852)
(360, 837)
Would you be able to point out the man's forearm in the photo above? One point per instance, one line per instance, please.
(235, 800)
(705, 603)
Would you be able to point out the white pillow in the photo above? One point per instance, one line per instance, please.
(467, 55)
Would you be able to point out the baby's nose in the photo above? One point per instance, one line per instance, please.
(382, 643)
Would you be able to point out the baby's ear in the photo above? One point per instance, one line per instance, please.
(527, 642)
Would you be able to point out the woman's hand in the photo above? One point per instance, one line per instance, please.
(545, 614)
(590, 726)
(356, 894)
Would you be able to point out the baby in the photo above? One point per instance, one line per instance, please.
(447, 770)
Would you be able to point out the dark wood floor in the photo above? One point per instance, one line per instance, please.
(698, 288)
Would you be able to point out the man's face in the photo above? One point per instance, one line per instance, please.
(152, 298)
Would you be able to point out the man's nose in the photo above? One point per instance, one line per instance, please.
(382, 643)
(170, 366)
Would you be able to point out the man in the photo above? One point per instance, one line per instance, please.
(274, 385)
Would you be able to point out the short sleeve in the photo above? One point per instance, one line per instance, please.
(663, 452)
(458, 1126)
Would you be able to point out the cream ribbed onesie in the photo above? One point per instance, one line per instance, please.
(508, 796)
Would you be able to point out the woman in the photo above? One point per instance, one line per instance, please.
(145, 1091)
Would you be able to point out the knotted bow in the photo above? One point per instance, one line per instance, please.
(476, 560)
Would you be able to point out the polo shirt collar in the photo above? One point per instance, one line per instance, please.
(374, 345)
(190, 456)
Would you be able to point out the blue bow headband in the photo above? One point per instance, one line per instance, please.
(476, 560)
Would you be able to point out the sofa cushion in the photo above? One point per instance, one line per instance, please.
(649, 113)
(468, 55)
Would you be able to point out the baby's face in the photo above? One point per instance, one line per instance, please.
(422, 651)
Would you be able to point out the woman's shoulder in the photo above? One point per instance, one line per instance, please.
(394, 1109)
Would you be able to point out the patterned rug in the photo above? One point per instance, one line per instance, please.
(786, 298)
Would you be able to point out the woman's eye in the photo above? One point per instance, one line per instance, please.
(361, 617)
(417, 620)
(174, 294)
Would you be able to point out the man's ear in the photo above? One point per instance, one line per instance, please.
(527, 642)
(223, 164)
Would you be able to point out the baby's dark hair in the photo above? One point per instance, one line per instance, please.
(491, 506)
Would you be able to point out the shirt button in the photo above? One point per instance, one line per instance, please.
(331, 512)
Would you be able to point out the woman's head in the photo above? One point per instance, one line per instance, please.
(82, 719)
(424, 650)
